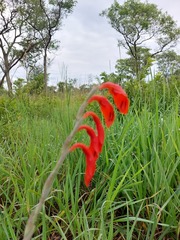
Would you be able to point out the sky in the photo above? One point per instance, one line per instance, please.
(88, 44)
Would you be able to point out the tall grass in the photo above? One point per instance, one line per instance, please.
(135, 191)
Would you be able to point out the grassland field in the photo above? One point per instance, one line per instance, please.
(135, 193)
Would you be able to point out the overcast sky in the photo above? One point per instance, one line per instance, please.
(88, 44)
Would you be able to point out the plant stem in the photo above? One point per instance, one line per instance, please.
(30, 226)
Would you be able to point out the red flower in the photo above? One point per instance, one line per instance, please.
(96, 143)
(106, 108)
(97, 138)
(120, 97)
(90, 162)
(99, 127)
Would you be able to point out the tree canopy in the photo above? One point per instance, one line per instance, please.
(27, 29)
(169, 64)
(142, 25)
(14, 43)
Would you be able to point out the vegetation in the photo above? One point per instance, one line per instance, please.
(33, 24)
(27, 29)
(135, 192)
(139, 24)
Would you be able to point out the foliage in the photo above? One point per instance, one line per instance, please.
(66, 86)
(169, 64)
(14, 40)
(126, 68)
(139, 24)
(61, 86)
(27, 29)
(18, 85)
(112, 77)
(34, 86)
(44, 21)
(3, 91)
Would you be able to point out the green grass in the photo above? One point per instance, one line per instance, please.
(135, 193)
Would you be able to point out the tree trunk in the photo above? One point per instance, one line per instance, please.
(137, 70)
(45, 71)
(7, 73)
(9, 83)
(136, 62)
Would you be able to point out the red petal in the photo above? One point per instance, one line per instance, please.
(119, 95)
(90, 162)
(122, 103)
(94, 145)
(113, 87)
(83, 147)
(89, 130)
(106, 108)
(89, 172)
(99, 127)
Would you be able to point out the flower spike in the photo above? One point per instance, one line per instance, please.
(120, 97)
(97, 137)
(96, 141)
(106, 108)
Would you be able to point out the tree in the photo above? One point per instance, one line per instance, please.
(27, 28)
(140, 25)
(169, 64)
(67, 86)
(14, 44)
(46, 20)
(126, 68)
(112, 77)
(31, 61)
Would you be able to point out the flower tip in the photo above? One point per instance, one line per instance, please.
(123, 104)
(80, 145)
(119, 95)
(106, 108)
(86, 182)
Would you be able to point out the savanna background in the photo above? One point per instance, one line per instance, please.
(136, 189)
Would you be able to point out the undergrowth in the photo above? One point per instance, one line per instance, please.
(135, 192)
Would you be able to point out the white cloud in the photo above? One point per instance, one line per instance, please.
(88, 42)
